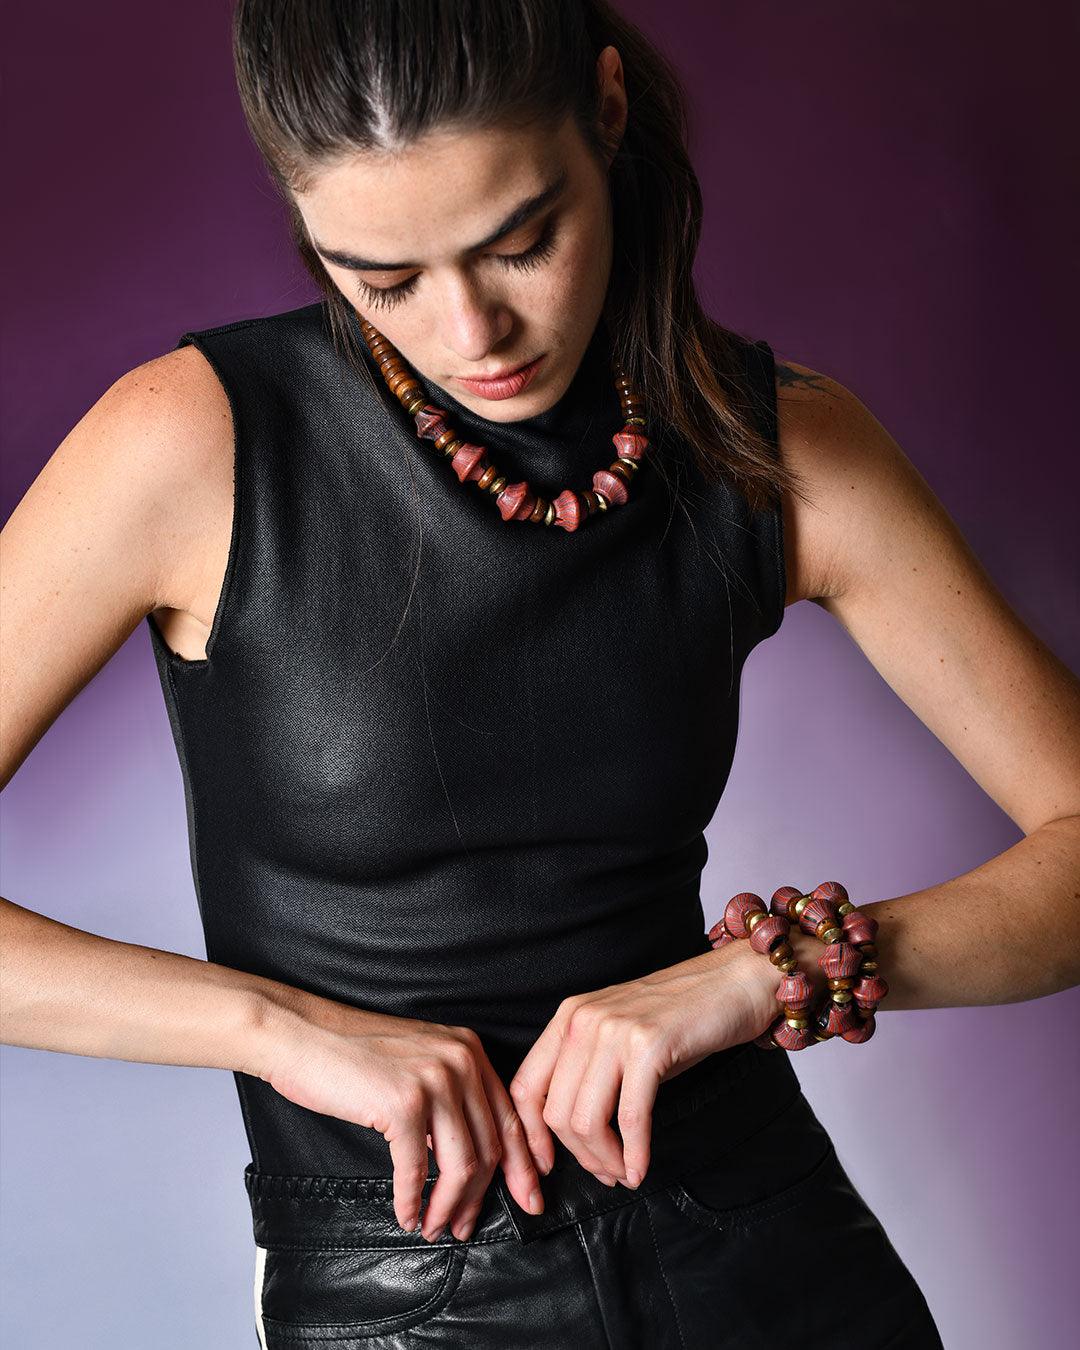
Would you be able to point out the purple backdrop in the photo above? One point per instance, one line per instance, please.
(888, 200)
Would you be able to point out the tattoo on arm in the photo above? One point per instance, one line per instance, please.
(787, 378)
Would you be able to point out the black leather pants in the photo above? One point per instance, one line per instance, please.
(746, 1234)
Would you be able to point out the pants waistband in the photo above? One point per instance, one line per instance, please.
(725, 1100)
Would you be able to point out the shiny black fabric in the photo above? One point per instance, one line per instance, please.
(767, 1246)
(441, 765)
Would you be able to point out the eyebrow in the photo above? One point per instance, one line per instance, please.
(517, 217)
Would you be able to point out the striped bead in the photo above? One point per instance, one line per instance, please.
(737, 910)
(467, 462)
(630, 443)
(837, 1018)
(859, 1034)
(430, 422)
(792, 1038)
(795, 990)
(515, 502)
(817, 913)
(840, 960)
(782, 898)
(859, 927)
(722, 939)
(569, 510)
(869, 991)
(767, 932)
(831, 890)
(613, 487)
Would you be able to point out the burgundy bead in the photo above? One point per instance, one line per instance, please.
(722, 939)
(839, 960)
(515, 502)
(792, 1038)
(569, 510)
(861, 1033)
(831, 890)
(869, 991)
(765, 933)
(430, 422)
(781, 898)
(613, 488)
(837, 1018)
(795, 990)
(630, 443)
(466, 460)
(859, 927)
(737, 910)
(814, 913)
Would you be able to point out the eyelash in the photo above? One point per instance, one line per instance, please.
(385, 297)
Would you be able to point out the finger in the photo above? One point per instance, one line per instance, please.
(522, 1177)
(458, 1159)
(409, 1155)
(529, 1090)
(636, 1100)
(588, 1133)
(561, 1111)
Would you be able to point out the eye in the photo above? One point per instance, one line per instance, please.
(535, 254)
(385, 297)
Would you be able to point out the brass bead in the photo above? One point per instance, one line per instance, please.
(868, 967)
(788, 965)
(631, 464)
(831, 933)
(753, 919)
(841, 996)
(796, 907)
(638, 421)
(797, 1023)
(415, 406)
(485, 478)
(451, 447)
(549, 514)
(497, 484)
(601, 500)
(846, 908)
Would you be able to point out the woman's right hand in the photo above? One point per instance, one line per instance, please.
(415, 1082)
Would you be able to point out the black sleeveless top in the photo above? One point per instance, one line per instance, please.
(441, 765)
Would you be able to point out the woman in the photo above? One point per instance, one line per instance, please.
(301, 1041)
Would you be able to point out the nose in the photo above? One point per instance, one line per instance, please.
(473, 320)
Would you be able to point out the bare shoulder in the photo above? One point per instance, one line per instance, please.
(857, 484)
(130, 515)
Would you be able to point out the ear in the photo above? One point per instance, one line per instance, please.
(612, 98)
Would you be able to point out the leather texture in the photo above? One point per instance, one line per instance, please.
(767, 1246)
(437, 764)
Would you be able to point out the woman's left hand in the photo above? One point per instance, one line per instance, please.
(611, 1049)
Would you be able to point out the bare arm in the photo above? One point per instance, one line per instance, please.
(875, 548)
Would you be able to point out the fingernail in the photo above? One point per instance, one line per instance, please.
(437, 1234)
(543, 1167)
(466, 1231)
(603, 1176)
(536, 1202)
(632, 1178)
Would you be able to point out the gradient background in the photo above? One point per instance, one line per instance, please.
(889, 200)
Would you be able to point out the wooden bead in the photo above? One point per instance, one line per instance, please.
(843, 983)
(569, 510)
(611, 487)
(770, 932)
(466, 460)
(591, 501)
(840, 960)
(619, 470)
(737, 909)
(487, 477)
(781, 899)
(447, 438)
(785, 952)
(539, 510)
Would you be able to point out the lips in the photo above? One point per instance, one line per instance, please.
(502, 386)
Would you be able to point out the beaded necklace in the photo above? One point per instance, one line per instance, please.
(517, 501)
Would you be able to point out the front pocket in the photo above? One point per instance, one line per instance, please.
(348, 1294)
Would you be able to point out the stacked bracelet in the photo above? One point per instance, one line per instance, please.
(849, 960)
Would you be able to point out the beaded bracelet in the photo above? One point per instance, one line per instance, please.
(849, 960)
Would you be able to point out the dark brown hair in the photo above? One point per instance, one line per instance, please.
(319, 77)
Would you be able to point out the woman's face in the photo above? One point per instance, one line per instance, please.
(476, 253)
